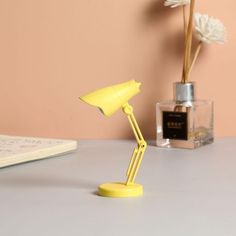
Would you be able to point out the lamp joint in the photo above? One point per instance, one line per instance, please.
(127, 109)
(142, 144)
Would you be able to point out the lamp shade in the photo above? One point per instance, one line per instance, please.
(112, 98)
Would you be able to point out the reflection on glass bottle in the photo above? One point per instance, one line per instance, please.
(184, 122)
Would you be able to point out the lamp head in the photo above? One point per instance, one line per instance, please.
(112, 98)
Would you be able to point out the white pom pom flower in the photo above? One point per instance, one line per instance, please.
(176, 3)
(209, 29)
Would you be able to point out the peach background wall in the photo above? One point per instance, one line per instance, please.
(53, 51)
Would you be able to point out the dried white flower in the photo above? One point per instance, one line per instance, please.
(209, 29)
(176, 3)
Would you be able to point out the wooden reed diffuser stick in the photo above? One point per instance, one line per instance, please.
(199, 46)
(185, 37)
(184, 21)
(188, 46)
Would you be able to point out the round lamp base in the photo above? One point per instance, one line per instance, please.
(120, 190)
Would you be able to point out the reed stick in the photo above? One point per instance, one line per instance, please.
(185, 37)
(199, 46)
(184, 21)
(188, 46)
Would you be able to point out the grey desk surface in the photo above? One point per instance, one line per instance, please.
(187, 193)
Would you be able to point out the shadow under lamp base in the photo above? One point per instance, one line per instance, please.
(120, 190)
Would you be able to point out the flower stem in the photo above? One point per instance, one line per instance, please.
(184, 20)
(188, 46)
(185, 37)
(199, 46)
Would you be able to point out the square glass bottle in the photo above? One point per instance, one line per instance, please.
(184, 122)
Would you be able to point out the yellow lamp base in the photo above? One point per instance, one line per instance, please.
(120, 190)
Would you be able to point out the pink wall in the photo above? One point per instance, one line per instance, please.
(53, 51)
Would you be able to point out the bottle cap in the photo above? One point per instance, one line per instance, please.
(184, 92)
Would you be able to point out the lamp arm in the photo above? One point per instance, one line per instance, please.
(138, 152)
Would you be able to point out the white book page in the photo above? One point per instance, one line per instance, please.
(12, 145)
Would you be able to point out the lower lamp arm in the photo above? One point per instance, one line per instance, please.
(138, 152)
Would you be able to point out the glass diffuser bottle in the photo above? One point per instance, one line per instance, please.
(184, 122)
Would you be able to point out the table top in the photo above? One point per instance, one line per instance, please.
(186, 192)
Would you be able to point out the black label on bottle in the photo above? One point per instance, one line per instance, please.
(175, 125)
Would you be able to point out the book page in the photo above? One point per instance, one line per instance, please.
(11, 145)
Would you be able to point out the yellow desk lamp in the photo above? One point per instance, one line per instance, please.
(109, 100)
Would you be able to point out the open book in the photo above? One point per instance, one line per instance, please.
(15, 150)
